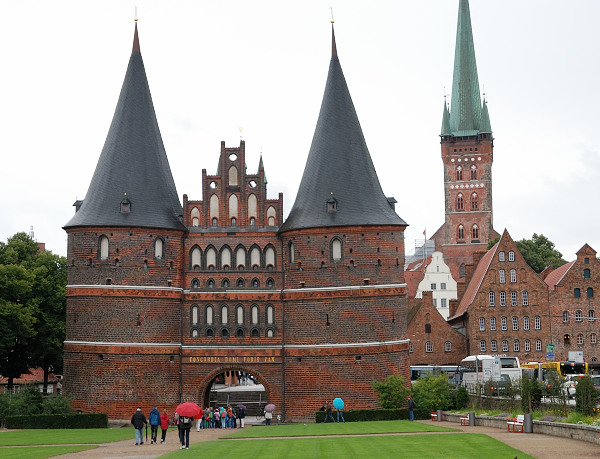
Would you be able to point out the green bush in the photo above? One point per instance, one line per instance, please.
(369, 415)
(58, 421)
(433, 393)
(586, 396)
(462, 398)
(531, 394)
(31, 402)
(392, 392)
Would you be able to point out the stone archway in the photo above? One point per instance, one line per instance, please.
(254, 401)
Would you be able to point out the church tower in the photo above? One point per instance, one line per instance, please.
(467, 153)
(343, 254)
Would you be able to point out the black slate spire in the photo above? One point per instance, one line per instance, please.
(132, 184)
(339, 186)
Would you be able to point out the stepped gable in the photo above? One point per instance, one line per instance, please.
(132, 184)
(339, 186)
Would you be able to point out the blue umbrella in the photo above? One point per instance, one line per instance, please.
(338, 403)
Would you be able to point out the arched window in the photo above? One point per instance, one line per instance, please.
(492, 299)
(240, 283)
(159, 248)
(254, 333)
(576, 292)
(336, 249)
(269, 314)
(526, 323)
(515, 323)
(473, 172)
(459, 173)
(214, 208)
(516, 346)
(537, 323)
(270, 258)
(254, 315)
(538, 344)
(194, 314)
(233, 207)
(475, 232)
(252, 208)
(291, 252)
(240, 314)
(239, 333)
(459, 202)
(210, 283)
(225, 258)
(504, 345)
(474, 201)
(103, 243)
(195, 216)
(255, 258)
(225, 283)
(211, 259)
(482, 347)
(501, 276)
(513, 276)
(590, 292)
(196, 258)
(255, 283)
(194, 333)
(271, 216)
(270, 333)
(527, 345)
(240, 258)
(224, 314)
(270, 282)
(586, 273)
(494, 345)
(461, 232)
(195, 283)
(233, 176)
(579, 338)
(209, 315)
(525, 298)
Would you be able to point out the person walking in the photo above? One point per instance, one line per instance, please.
(411, 407)
(154, 420)
(268, 417)
(164, 426)
(177, 422)
(186, 425)
(340, 414)
(139, 420)
(328, 412)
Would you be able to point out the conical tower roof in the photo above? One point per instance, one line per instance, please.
(133, 167)
(466, 115)
(339, 186)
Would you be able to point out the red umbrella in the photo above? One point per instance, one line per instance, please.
(189, 409)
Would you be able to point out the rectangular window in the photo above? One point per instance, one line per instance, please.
(435, 302)
(513, 298)
(513, 276)
(502, 276)
(515, 323)
(502, 298)
(538, 344)
(492, 299)
(433, 286)
(503, 324)
(516, 346)
(525, 323)
(444, 303)
(482, 346)
(527, 345)
(443, 286)
(448, 346)
(492, 323)
(428, 346)
(538, 323)
(481, 324)
(511, 256)
(494, 346)
(525, 298)
(504, 346)
(501, 256)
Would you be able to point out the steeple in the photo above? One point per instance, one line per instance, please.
(466, 111)
(339, 165)
(133, 163)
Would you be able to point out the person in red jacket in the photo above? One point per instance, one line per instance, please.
(164, 425)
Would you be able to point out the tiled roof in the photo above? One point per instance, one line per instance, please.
(37, 375)
(339, 166)
(556, 276)
(475, 282)
(133, 165)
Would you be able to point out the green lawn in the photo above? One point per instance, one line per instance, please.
(63, 436)
(336, 428)
(385, 446)
(39, 452)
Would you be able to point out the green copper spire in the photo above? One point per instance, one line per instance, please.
(486, 126)
(446, 120)
(466, 110)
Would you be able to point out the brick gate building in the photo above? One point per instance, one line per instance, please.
(163, 297)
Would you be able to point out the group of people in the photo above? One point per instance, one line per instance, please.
(155, 419)
(329, 412)
(221, 418)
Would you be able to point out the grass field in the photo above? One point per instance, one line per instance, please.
(62, 436)
(40, 452)
(382, 446)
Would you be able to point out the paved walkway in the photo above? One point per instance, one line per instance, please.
(536, 445)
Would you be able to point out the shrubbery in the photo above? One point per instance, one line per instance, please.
(586, 396)
(58, 421)
(31, 402)
(367, 415)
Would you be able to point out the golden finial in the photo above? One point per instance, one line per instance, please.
(331, 8)
(135, 18)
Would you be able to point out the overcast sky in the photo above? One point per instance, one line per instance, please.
(214, 67)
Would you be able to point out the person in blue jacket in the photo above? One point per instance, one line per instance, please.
(154, 420)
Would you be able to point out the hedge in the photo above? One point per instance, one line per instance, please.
(58, 421)
(367, 415)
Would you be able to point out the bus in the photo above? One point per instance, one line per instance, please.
(478, 369)
(541, 370)
(423, 371)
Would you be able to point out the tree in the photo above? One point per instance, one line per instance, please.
(32, 308)
(586, 396)
(538, 252)
(433, 393)
(392, 392)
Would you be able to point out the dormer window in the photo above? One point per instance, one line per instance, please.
(125, 205)
(331, 205)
